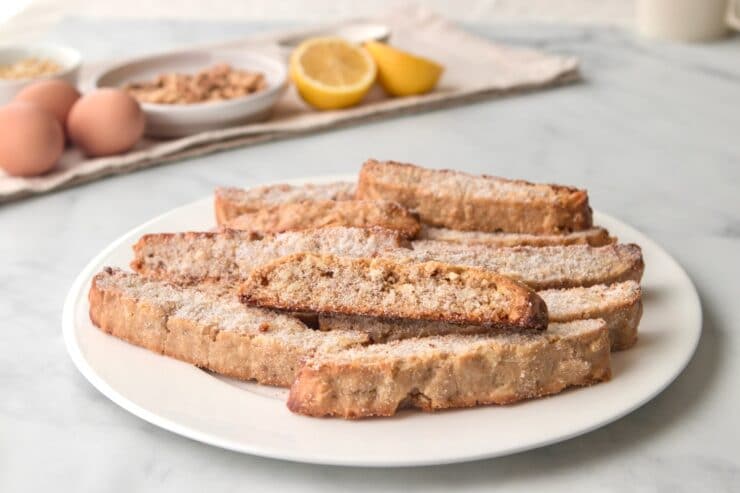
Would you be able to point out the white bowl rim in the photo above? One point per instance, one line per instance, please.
(280, 71)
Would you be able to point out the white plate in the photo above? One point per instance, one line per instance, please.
(253, 419)
(176, 120)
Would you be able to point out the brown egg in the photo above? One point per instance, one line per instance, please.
(55, 96)
(31, 139)
(106, 122)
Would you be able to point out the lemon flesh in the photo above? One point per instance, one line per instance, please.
(401, 73)
(331, 73)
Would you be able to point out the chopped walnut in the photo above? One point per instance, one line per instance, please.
(217, 83)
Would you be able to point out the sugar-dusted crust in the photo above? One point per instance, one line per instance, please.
(450, 371)
(208, 329)
(619, 305)
(456, 200)
(395, 288)
(229, 256)
(540, 267)
(294, 216)
(591, 236)
(232, 202)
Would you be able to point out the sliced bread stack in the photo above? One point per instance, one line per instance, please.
(422, 288)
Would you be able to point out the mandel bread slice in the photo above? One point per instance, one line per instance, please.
(560, 266)
(592, 236)
(619, 305)
(318, 214)
(232, 202)
(208, 329)
(394, 288)
(449, 371)
(230, 256)
(457, 200)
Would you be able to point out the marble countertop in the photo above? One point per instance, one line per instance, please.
(652, 132)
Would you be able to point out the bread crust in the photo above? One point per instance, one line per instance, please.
(232, 202)
(456, 200)
(325, 213)
(186, 324)
(619, 305)
(383, 287)
(591, 236)
(452, 371)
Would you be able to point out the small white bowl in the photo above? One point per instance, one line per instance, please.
(177, 120)
(355, 31)
(67, 58)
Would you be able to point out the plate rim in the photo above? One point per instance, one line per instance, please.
(75, 294)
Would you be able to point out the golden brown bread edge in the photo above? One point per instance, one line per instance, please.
(266, 347)
(312, 214)
(443, 198)
(395, 288)
(452, 371)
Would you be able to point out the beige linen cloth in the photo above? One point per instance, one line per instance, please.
(474, 68)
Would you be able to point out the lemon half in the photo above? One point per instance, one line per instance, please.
(331, 73)
(401, 73)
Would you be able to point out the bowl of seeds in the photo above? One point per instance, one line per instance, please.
(191, 92)
(22, 64)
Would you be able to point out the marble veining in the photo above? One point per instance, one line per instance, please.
(652, 132)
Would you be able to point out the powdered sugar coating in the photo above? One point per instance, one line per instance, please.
(591, 236)
(267, 195)
(446, 345)
(540, 267)
(220, 309)
(566, 304)
(229, 256)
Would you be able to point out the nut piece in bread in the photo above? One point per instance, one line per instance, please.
(592, 236)
(619, 305)
(394, 288)
(540, 267)
(208, 329)
(318, 214)
(232, 202)
(450, 371)
(456, 200)
(230, 256)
